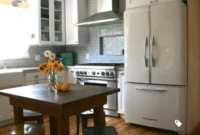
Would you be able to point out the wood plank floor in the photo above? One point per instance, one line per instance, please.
(118, 123)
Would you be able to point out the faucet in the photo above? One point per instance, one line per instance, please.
(4, 64)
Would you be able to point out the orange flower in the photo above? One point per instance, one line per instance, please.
(50, 65)
(60, 68)
(55, 65)
(41, 68)
(46, 71)
(45, 65)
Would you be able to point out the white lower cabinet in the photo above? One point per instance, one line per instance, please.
(121, 94)
(70, 76)
(36, 77)
(6, 110)
(2, 110)
(73, 77)
(9, 108)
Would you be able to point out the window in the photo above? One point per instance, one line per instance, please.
(15, 36)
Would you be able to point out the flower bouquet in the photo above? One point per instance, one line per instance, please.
(51, 68)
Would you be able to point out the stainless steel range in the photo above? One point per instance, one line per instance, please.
(100, 74)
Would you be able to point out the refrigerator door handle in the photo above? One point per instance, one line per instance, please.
(151, 89)
(152, 44)
(145, 44)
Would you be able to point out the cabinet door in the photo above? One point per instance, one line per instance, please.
(58, 22)
(137, 3)
(9, 108)
(45, 23)
(71, 19)
(163, 1)
(169, 43)
(2, 110)
(121, 94)
(76, 10)
(136, 25)
(74, 81)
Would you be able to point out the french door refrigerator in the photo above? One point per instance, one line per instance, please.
(156, 65)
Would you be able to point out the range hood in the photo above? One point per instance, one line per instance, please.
(107, 13)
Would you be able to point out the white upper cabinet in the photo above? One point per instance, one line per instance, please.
(76, 10)
(51, 22)
(164, 1)
(140, 3)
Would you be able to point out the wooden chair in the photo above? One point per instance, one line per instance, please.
(84, 117)
(100, 131)
(33, 116)
(28, 129)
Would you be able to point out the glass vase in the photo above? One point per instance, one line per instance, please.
(53, 80)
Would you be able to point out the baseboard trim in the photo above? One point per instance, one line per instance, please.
(6, 122)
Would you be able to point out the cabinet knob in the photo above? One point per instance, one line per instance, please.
(72, 71)
(35, 82)
(151, 1)
(36, 76)
(156, 0)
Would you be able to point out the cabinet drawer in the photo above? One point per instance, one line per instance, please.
(156, 106)
(35, 82)
(34, 76)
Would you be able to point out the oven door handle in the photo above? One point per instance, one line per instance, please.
(96, 78)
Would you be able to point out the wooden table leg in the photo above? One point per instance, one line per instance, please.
(59, 126)
(99, 119)
(18, 115)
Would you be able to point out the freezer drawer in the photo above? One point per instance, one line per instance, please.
(156, 106)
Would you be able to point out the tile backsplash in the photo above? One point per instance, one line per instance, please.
(112, 45)
(30, 62)
(92, 48)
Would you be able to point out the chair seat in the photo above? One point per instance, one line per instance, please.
(28, 129)
(31, 114)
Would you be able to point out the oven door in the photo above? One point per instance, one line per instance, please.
(102, 82)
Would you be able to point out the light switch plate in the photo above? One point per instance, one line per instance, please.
(37, 57)
(87, 56)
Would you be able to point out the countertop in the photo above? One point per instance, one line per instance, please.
(20, 70)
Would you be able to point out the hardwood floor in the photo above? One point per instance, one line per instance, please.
(118, 123)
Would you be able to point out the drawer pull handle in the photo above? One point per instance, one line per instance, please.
(151, 89)
(149, 119)
(122, 73)
(35, 82)
(36, 76)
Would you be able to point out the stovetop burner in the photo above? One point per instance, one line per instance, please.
(101, 64)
